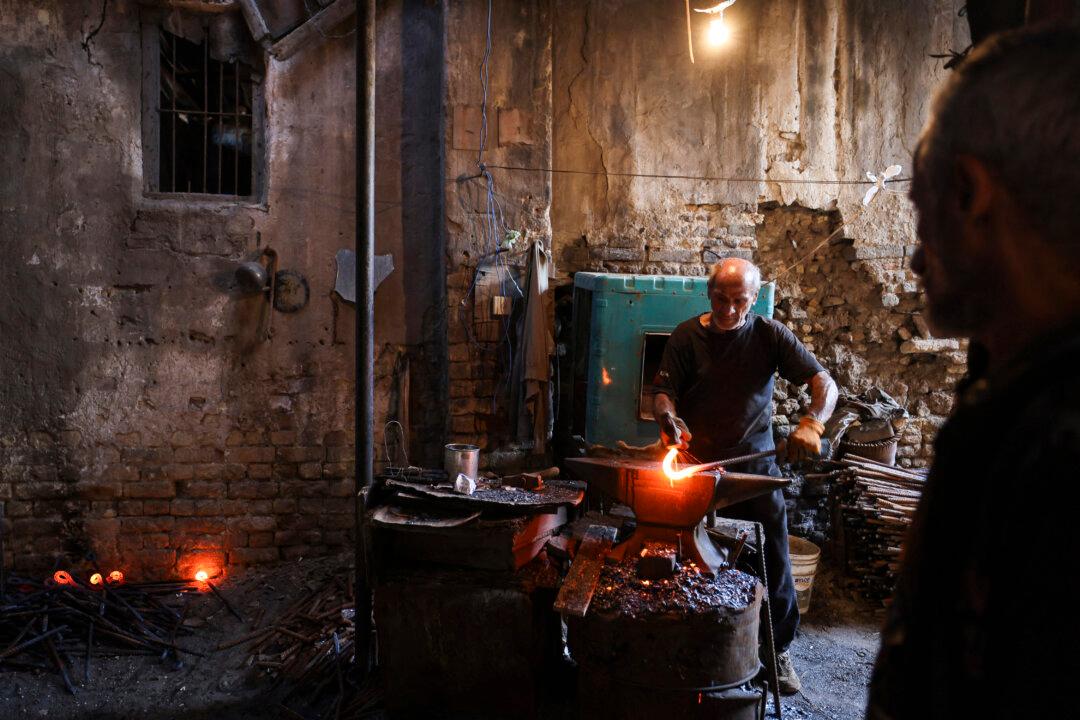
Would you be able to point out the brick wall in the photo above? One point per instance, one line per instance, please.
(149, 411)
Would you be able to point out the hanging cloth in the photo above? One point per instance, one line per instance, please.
(537, 347)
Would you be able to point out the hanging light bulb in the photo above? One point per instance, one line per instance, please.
(718, 32)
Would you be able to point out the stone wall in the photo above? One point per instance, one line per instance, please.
(144, 414)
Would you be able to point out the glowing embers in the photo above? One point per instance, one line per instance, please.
(61, 577)
(96, 580)
(116, 577)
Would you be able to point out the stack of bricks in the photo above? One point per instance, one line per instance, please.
(161, 507)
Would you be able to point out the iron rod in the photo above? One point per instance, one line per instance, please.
(365, 315)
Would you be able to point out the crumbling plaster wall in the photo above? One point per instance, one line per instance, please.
(143, 414)
(805, 91)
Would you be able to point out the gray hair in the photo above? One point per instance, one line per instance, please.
(1014, 104)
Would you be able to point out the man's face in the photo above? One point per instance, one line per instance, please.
(731, 300)
(953, 258)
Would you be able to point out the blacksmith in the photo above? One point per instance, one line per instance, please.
(983, 622)
(714, 398)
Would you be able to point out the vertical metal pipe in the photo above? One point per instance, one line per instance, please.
(365, 312)
(206, 111)
(236, 132)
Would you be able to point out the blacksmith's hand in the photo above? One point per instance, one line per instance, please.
(674, 433)
(805, 442)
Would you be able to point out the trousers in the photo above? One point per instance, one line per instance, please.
(771, 511)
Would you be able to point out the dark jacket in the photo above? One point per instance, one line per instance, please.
(984, 622)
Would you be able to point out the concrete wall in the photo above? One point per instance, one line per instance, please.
(144, 415)
(806, 90)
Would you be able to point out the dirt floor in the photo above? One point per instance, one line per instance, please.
(220, 686)
(834, 654)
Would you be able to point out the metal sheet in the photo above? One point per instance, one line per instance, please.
(345, 283)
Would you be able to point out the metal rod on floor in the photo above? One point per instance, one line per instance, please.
(365, 314)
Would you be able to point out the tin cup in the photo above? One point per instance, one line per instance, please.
(464, 459)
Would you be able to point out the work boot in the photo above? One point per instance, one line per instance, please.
(785, 674)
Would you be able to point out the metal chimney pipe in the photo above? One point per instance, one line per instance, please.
(365, 313)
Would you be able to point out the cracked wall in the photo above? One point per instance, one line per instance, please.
(806, 93)
(145, 414)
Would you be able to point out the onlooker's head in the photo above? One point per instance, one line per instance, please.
(995, 177)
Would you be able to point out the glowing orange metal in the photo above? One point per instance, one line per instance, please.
(672, 473)
(116, 577)
(95, 579)
(202, 576)
(61, 577)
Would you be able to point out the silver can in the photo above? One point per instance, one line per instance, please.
(464, 459)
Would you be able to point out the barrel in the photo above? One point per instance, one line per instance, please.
(804, 559)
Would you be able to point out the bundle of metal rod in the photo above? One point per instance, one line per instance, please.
(310, 649)
(877, 503)
(61, 627)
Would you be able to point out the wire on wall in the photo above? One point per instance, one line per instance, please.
(493, 230)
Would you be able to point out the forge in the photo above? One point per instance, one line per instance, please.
(671, 511)
(663, 622)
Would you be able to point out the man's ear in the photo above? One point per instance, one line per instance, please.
(975, 189)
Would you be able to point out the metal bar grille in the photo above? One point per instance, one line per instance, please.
(206, 121)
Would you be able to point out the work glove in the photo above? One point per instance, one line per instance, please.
(673, 432)
(805, 442)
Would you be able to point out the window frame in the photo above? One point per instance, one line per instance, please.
(150, 27)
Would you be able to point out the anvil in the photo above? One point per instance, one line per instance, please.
(671, 511)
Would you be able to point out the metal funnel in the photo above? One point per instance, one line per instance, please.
(671, 510)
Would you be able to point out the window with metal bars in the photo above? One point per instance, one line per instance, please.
(203, 128)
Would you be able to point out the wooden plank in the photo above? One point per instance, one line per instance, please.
(577, 589)
(315, 30)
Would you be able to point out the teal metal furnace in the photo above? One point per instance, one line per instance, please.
(621, 324)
